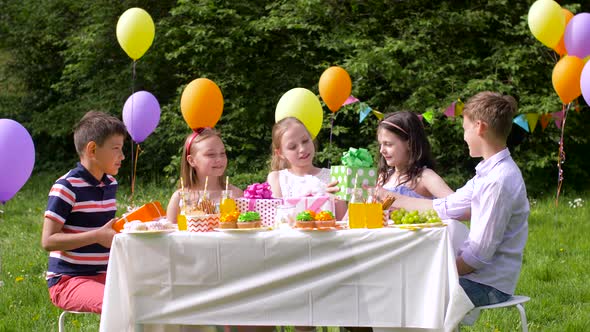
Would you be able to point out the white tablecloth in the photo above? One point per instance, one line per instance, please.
(381, 278)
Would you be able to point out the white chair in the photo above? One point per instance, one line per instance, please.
(515, 301)
(62, 318)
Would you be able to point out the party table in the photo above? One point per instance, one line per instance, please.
(362, 277)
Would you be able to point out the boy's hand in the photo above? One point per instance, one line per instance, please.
(105, 234)
(332, 187)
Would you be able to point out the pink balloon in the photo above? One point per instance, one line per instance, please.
(141, 115)
(577, 36)
(17, 158)
(585, 82)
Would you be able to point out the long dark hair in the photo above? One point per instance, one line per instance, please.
(408, 127)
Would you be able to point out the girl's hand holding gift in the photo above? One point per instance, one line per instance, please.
(333, 187)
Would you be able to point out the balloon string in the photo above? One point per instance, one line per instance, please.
(330, 146)
(134, 174)
(131, 126)
(561, 153)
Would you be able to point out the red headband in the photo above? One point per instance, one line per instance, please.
(196, 132)
(395, 126)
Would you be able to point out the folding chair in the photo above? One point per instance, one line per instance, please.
(514, 301)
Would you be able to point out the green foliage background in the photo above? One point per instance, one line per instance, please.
(59, 59)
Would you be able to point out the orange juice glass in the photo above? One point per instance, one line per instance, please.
(373, 210)
(356, 215)
(227, 204)
(356, 210)
(374, 214)
(181, 221)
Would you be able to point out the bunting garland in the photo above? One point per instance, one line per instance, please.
(527, 121)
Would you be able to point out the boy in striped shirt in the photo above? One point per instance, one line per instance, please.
(77, 227)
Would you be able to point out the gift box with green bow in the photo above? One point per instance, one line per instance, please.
(356, 164)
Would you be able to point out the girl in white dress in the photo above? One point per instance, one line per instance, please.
(292, 171)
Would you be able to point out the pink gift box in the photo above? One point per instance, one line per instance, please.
(266, 208)
(314, 203)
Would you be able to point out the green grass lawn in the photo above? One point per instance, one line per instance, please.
(555, 271)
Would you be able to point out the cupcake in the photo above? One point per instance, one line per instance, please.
(325, 219)
(250, 219)
(305, 219)
(229, 220)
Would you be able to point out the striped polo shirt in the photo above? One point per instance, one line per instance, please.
(80, 203)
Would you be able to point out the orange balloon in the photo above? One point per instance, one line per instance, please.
(201, 103)
(566, 78)
(335, 87)
(560, 47)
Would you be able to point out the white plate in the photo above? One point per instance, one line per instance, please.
(424, 225)
(243, 230)
(323, 229)
(151, 231)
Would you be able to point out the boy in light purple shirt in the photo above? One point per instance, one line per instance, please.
(490, 259)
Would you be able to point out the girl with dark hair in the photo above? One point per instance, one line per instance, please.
(405, 163)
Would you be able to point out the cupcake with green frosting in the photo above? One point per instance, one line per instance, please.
(250, 219)
(305, 219)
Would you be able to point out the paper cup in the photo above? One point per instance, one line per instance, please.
(202, 223)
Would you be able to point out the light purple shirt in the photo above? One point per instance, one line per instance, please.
(499, 207)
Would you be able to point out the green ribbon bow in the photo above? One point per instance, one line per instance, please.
(357, 158)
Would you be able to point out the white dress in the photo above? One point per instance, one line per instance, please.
(299, 186)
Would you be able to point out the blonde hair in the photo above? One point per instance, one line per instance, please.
(495, 109)
(278, 130)
(187, 173)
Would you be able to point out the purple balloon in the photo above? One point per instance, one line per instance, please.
(17, 157)
(585, 82)
(577, 36)
(141, 115)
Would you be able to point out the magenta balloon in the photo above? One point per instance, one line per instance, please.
(141, 115)
(585, 82)
(577, 36)
(17, 157)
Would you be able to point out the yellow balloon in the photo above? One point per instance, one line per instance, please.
(135, 32)
(547, 22)
(586, 59)
(303, 105)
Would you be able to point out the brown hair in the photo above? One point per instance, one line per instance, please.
(493, 108)
(96, 127)
(278, 130)
(187, 172)
(408, 127)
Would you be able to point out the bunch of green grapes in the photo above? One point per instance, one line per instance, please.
(401, 216)
(430, 216)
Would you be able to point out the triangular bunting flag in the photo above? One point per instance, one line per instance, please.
(378, 114)
(459, 107)
(364, 111)
(545, 118)
(450, 111)
(558, 117)
(350, 100)
(428, 116)
(521, 121)
(532, 119)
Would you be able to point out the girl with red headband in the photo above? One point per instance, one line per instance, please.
(203, 156)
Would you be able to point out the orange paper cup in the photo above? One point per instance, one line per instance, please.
(147, 212)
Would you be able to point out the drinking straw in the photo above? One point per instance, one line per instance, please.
(206, 181)
(227, 183)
